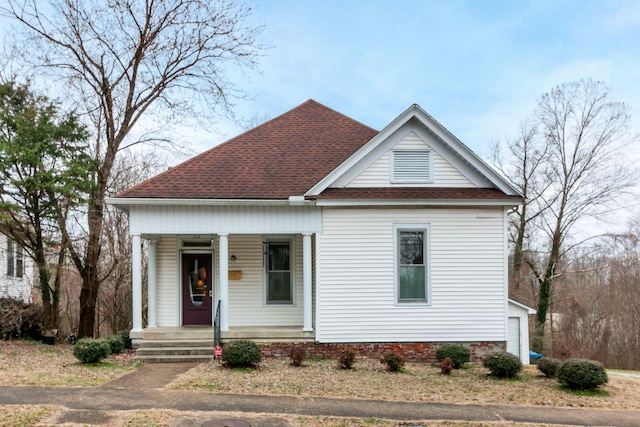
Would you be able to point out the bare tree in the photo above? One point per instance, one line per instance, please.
(127, 61)
(575, 162)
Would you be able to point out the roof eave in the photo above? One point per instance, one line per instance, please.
(125, 202)
(419, 202)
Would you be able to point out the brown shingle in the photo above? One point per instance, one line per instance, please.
(413, 193)
(283, 157)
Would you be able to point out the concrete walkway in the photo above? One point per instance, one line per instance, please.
(142, 390)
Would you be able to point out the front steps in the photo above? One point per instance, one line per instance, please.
(195, 344)
(164, 351)
(162, 345)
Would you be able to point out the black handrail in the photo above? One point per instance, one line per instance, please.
(216, 327)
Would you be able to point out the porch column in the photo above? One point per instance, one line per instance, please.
(306, 282)
(152, 276)
(223, 240)
(136, 279)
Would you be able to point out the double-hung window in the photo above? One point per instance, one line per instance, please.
(15, 259)
(279, 275)
(412, 264)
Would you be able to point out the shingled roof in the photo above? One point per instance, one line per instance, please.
(283, 157)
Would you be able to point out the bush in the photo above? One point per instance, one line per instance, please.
(241, 354)
(116, 344)
(394, 362)
(446, 366)
(458, 354)
(20, 320)
(578, 374)
(125, 338)
(549, 366)
(297, 355)
(502, 364)
(347, 359)
(89, 350)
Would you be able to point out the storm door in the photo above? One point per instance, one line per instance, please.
(197, 289)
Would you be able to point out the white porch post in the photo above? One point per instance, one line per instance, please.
(224, 281)
(306, 280)
(136, 278)
(152, 276)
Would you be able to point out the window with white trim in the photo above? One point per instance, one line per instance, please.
(279, 275)
(411, 166)
(15, 259)
(412, 264)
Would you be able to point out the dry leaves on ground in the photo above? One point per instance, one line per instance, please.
(32, 363)
(418, 382)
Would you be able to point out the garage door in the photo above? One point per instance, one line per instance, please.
(513, 343)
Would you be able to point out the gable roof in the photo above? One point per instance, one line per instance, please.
(454, 151)
(283, 157)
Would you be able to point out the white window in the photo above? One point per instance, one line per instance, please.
(412, 264)
(411, 166)
(15, 259)
(279, 275)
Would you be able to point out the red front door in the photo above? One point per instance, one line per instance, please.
(197, 292)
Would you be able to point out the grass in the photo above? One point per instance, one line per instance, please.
(417, 383)
(30, 363)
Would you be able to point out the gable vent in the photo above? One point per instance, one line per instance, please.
(411, 166)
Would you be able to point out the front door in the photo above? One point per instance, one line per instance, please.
(197, 289)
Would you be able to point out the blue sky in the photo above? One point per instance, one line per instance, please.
(478, 66)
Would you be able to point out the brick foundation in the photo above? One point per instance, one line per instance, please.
(411, 351)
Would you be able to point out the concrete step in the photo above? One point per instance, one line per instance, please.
(175, 343)
(196, 351)
(174, 358)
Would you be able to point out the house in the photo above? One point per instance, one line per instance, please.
(16, 270)
(315, 229)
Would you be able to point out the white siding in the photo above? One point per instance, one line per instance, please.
(246, 296)
(378, 173)
(11, 286)
(356, 299)
(167, 285)
(199, 219)
(515, 311)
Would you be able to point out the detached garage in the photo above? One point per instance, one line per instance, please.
(518, 330)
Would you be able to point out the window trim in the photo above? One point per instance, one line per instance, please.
(410, 180)
(426, 251)
(292, 269)
(11, 257)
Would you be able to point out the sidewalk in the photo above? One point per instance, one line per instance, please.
(141, 390)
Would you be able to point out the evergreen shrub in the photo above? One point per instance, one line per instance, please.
(502, 364)
(458, 354)
(579, 374)
(116, 343)
(89, 350)
(549, 366)
(394, 361)
(241, 354)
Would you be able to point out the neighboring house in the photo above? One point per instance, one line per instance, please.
(316, 229)
(16, 270)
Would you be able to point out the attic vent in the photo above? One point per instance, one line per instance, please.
(411, 166)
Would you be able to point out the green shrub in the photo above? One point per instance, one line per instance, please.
(394, 361)
(458, 354)
(241, 354)
(549, 366)
(347, 359)
(297, 355)
(502, 364)
(116, 344)
(446, 366)
(578, 374)
(125, 338)
(89, 350)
